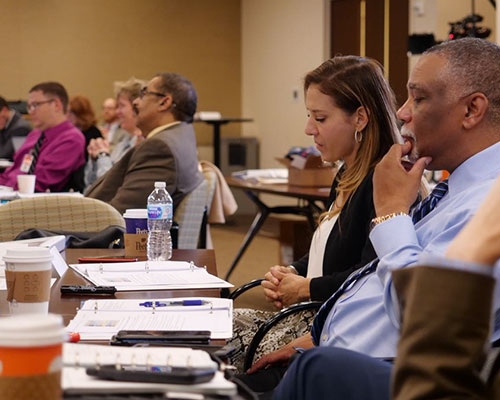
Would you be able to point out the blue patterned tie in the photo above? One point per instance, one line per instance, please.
(421, 210)
(427, 205)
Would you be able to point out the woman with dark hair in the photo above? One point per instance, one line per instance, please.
(82, 115)
(352, 120)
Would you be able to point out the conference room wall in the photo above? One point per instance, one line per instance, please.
(89, 44)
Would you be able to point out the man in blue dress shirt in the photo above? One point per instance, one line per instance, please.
(451, 122)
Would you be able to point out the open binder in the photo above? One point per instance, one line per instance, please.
(101, 319)
(150, 275)
(76, 357)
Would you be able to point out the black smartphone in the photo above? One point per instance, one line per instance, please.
(106, 259)
(156, 374)
(158, 337)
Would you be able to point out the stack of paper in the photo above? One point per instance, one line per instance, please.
(269, 175)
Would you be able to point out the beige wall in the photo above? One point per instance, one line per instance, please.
(88, 44)
(281, 41)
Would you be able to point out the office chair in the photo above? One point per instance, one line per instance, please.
(191, 214)
(273, 321)
(67, 212)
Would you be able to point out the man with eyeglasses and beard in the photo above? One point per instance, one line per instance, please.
(55, 149)
(165, 113)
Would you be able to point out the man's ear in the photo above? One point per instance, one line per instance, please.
(361, 118)
(477, 106)
(166, 103)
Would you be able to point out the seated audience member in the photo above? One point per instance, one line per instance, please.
(102, 155)
(446, 305)
(12, 125)
(352, 118)
(165, 112)
(55, 149)
(111, 123)
(451, 121)
(81, 114)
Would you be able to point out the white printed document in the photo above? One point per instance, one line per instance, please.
(269, 175)
(150, 275)
(101, 319)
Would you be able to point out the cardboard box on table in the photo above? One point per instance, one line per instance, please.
(309, 171)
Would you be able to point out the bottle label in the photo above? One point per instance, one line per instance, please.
(159, 211)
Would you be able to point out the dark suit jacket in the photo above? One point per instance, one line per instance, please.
(169, 156)
(348, 246)
(445, 329)
(18, 126)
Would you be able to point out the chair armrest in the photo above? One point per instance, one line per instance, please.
(271, 322)
(243, 288)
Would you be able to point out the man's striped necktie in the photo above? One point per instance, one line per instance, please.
(35, 151)
(421, 210)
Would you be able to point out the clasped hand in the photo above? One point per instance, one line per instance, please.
(283, 287)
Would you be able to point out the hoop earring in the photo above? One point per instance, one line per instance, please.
(358, 136)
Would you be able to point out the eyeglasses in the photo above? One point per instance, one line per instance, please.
(33, 106)
(145, 91)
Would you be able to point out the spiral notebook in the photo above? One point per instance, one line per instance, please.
(100, 319)
(76, 357)
(150, 275)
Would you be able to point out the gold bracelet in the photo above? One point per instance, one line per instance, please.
(379, 220)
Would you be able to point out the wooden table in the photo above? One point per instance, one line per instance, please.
(66, 305)
(311, 202)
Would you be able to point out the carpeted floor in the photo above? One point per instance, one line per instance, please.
(263, 252)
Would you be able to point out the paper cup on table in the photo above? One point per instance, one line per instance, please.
(136, 236)
(31, 357)
(28, 271)
(26, 183)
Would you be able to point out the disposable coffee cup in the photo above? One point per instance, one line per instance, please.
(31, 357)
(136, 220)
(28, 271)
(26, 184)
(136, 235)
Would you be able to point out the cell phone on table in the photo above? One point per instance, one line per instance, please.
(156, 374)
(106, 259)
(159, 337)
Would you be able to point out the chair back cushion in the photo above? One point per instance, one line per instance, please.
(57, 212)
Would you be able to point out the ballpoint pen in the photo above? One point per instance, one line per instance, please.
(191, 302)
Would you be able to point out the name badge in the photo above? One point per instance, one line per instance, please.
(26, 164)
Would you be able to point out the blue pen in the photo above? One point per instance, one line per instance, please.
(191, 302)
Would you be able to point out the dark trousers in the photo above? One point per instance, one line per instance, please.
(331, 373)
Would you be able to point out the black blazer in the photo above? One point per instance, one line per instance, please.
(348, 246)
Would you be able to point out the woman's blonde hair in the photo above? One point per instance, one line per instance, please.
(353, 82)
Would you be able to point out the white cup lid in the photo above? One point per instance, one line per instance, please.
(28, 330)
(27, 253)
(136, 213)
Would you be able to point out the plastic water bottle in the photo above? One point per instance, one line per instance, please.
(160, 211)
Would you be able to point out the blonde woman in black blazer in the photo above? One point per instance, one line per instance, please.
(351, 118)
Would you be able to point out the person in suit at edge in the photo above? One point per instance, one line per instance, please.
(165, 112)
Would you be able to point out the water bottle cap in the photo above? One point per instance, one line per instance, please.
(160, 184)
